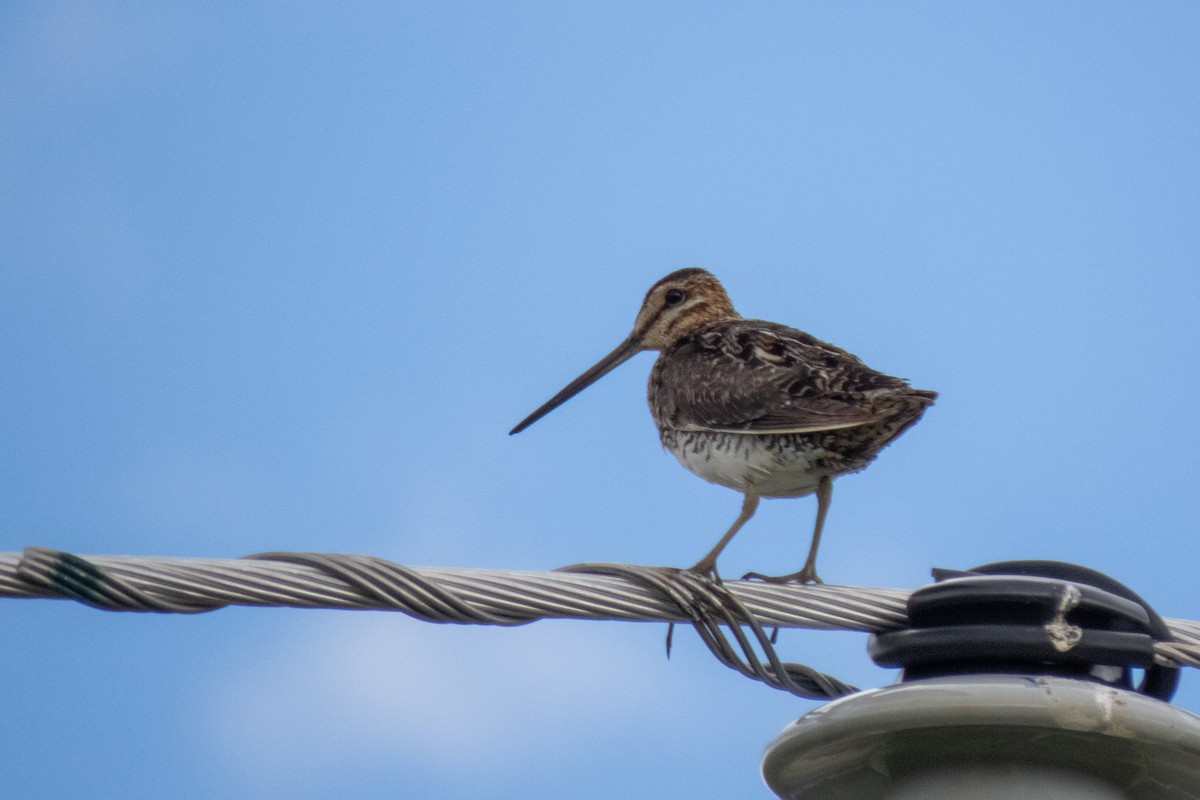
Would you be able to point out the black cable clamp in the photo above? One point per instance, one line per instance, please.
(1030, 617)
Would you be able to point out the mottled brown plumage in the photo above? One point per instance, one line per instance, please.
(754, 405)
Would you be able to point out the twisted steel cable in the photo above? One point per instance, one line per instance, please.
(718, 611)
(433, 594)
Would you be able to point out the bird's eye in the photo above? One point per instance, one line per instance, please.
(673, 297)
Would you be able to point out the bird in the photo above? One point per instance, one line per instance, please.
(756, 406)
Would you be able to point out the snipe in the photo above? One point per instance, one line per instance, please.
(753, 405)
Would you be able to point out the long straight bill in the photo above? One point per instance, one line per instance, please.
(626, 350)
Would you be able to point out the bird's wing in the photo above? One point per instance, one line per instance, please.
(762, 378)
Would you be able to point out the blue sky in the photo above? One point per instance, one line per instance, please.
(282, 276)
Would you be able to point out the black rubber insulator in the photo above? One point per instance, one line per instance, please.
(1160, 681)
(1001, 618)
(1003, 599)
(1007, 644)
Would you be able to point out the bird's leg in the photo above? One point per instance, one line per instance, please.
(708, 564)
(807, 573)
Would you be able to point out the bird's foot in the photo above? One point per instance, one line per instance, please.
(707, 568)
(806, 575)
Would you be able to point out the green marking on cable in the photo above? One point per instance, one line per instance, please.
(79, 579)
